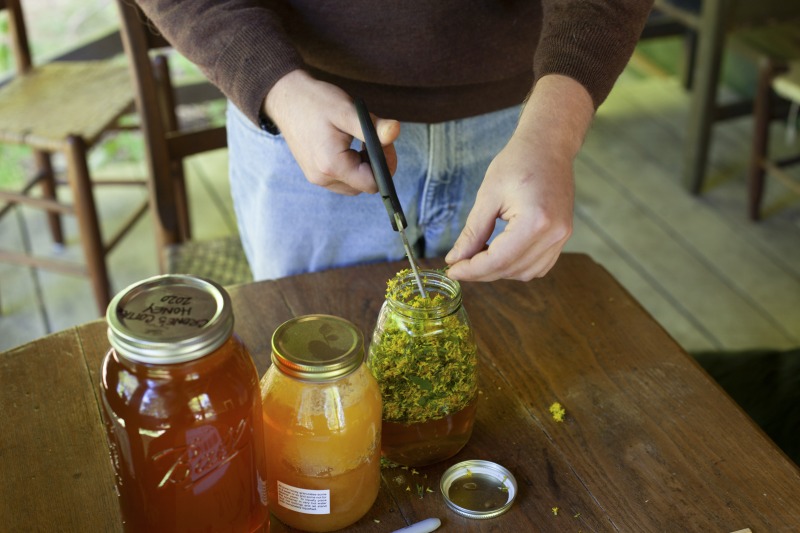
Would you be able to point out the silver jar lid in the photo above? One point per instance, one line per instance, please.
(169, 319)
(478, 489)
(317, 347)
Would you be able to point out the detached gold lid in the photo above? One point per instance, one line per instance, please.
(317, 347)
(478, 489)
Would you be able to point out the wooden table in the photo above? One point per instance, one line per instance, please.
(649, 443)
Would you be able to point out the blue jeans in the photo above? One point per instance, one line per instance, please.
(289, 226)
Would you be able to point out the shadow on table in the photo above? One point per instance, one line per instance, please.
(766, 384)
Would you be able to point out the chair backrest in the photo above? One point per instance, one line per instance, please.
(736, 13)
(166, 145)
(749, 13)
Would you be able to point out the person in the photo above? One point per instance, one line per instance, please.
(481, 107)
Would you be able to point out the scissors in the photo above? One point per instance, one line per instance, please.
(380, 170)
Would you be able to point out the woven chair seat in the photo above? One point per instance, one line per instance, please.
(221, 260)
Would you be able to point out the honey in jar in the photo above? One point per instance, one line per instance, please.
(322, 420)
(181, 405)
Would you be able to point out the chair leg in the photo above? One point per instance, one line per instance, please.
(765, 105)
(705, 79)
(689, 59)
(761, 118)
(181, 200)
(169, 105)
(44, 167)
(88, 225)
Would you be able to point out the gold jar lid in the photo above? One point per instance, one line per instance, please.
(317, 347)
(478, 489)
(169, 319)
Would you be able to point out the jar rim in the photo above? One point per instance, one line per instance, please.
(169, 319)
(317, 347)
(435, 282)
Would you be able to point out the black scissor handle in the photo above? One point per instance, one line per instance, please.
(380, 170)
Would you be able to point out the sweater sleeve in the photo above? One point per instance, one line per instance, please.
(590, 41)
(240, 45)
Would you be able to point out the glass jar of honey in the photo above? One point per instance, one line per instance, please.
(424, 356)
(181, 405)
(322, 420)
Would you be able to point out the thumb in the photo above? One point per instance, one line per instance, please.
(388, 130)
(473, 237)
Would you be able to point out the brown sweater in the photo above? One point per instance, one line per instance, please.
(412, 60)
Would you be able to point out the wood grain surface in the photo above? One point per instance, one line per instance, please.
(649, 441)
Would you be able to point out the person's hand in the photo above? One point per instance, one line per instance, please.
(530, 185)
(319, 121)
(533, 192)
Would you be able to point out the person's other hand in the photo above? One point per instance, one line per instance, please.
(534, 193)
(530, 185)
(319, 121)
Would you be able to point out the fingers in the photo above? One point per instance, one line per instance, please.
(345, 172)
(476, 233)
(492, 264)
(319, 122)
(525, 250)
(348, 172)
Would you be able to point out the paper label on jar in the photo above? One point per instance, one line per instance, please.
(304, 500)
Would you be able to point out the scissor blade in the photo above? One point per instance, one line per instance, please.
(383, 178)
(410, 255)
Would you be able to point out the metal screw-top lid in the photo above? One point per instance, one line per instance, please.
(478, 489)
(317, 347)
(169, 319)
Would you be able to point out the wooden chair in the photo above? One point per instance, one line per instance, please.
(778, 53)
(673, 23)
(62, 108)
(711, 22)
(167, 145)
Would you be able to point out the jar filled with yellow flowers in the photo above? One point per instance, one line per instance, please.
(424, 356)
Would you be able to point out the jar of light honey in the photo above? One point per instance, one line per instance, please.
(424, 356)
(322, 421)
(182, 409)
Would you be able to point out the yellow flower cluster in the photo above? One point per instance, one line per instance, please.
(558, 412)
(425, 366)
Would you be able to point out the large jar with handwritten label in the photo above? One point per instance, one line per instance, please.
(181, 405)
(322, 418)
(424, 356)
